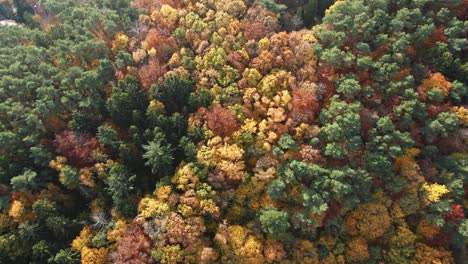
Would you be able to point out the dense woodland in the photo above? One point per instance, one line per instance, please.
(234, 131)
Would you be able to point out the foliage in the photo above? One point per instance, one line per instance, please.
(158, 156)
(126, 102)
(79, 149)
(273, 6)
(221, 121)
(134, 246)
(370, 221)
(233, 131)
(341, 128)
(120, 186)
(175, 92)
(274, 222)
(26, 181)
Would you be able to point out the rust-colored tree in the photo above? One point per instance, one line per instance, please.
(437, 36)
(456, 212)
(253, 30)
(304, 105)
(78, 148)
(237, 61)
(134, 248)
(221, 121)
(151, 72)
(164, 45)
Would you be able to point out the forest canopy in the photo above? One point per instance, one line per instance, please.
(233, 131)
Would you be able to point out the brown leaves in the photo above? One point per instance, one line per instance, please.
(164, 44)
(253, 30)
(134, 248)
(78, 148)
(221, 121)
(149, 74)
(304, 104)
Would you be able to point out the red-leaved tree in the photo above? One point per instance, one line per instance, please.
(304, 105)
(253, 30)
(78, 148)
(164, 44)
(149, 74)
(134, 248)
(221, 121)
(456, 212)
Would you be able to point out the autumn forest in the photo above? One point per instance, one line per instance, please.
(233, 131)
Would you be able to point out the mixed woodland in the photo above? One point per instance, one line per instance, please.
(234, 131)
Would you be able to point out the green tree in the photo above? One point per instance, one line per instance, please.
(274, 222)
(348, 86)
(65, 256)
(127, 99)
(341, 129)
(108, 137)
(384, 145)
(346, 185)
(440, 126)
(174, 93)
(26, 181)
(120, 186)
(158, 155)
(70, 177)
(272, 5)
